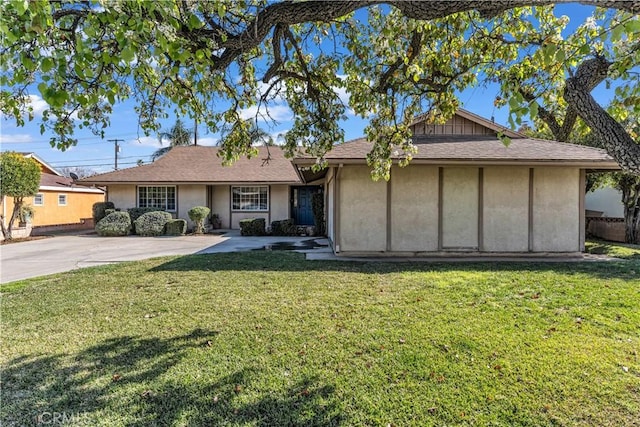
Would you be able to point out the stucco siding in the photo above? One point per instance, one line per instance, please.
(222, 204)
(363, 211)
(79, 206)
(505, 209)
(190, 196)
(414, 208)
(122, 196)
(236, 217)
(279, 203)
(556, 219)
(459, 208)
(330, 188)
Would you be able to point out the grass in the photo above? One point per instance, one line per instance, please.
(271, 339)
(616, 250)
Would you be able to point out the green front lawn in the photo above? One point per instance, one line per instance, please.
(267, 338)
(616, 250)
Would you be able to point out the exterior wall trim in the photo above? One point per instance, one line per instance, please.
(389, 215)
(531, 209)
(440, 175)
(480, 209)
(582, 212)
(336, 207)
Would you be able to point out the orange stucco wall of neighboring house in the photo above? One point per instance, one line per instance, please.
(78, 205)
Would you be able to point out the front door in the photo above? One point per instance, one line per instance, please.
(302, 211)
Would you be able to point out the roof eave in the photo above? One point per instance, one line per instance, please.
(580, 163)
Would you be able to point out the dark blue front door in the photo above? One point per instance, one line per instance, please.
(301, 205)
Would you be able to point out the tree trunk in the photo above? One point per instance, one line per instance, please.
(17, 205)
(609, 132)
(630, 188)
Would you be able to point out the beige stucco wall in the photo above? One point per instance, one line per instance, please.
(460, 207)
(414, 208)
(221, 204)
(122, 196)
(189, 196)
(363, 211)
(556, 219)
(330, 194)
(506, 209)
(278, 207)
(279, 203)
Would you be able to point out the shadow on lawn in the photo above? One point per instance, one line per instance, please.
(126, 380)
(291, 261)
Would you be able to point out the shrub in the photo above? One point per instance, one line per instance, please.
(252, 227)
(136, 213)
(108, 211)
(99, 209)
(198, 214)
(317, 205)
(114, 224)
(152, 223)
(286, 227)
(175, 227)
(216, 222)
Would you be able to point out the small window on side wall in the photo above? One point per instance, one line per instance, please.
(38, 199)
(62, 200)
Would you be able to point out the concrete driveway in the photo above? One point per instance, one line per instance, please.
(63, 253)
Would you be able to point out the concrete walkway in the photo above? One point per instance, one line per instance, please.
(67, 252)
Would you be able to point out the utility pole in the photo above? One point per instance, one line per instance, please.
(116, 150)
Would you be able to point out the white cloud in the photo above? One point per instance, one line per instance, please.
(208, 141)
(279, 113)
(145, 141)
(38, 104)
(17, 138)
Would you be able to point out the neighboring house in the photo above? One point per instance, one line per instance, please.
(59, 203)
(265, 186)
(464, 191)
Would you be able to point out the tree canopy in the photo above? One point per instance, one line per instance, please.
(209, 59)
(19, 178)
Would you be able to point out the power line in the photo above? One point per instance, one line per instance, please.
(61, 162)
(100, 164)
(125, 135)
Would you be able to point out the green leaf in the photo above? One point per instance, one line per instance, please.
(21, 6)
(128, 54)
(46, 65)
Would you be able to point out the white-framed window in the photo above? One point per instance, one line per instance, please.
(162, 197)
(38, 199)
(250, 198)
(62, 200)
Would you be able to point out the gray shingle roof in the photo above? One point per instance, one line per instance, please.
(200, 164)
(470, 148)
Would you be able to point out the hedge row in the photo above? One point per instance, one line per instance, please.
(156, 223)
(253, 227)
(152, 223)
(286, 227)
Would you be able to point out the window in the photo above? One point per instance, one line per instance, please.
(250, 198)
(157, 197)
(62, 200)
(38, 199)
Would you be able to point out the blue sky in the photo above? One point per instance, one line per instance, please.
(98, 154)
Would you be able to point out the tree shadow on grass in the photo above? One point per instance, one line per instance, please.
(292, 261)
(124, 380)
